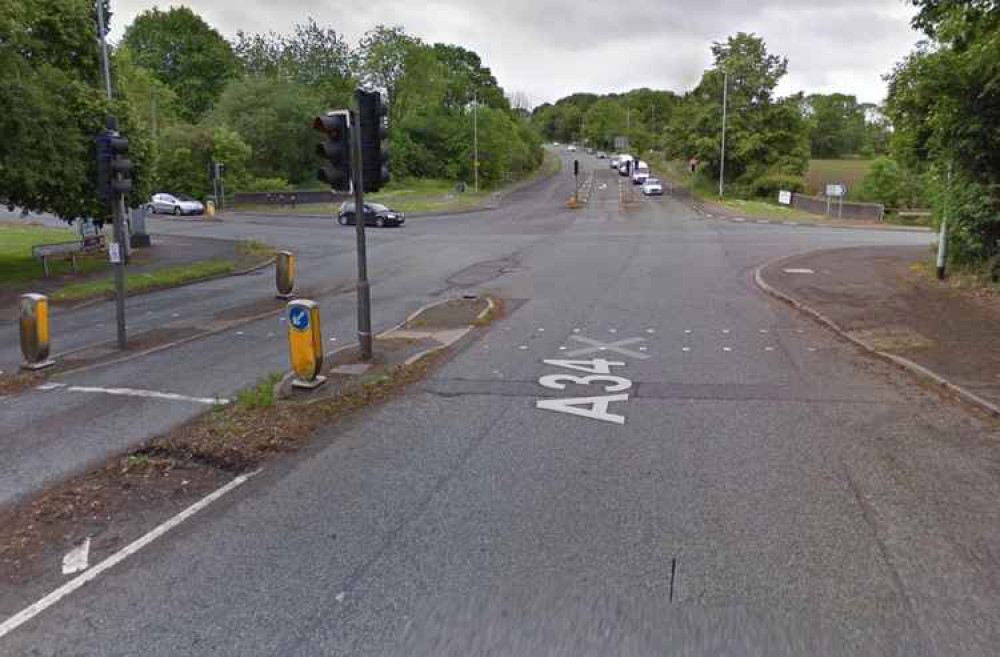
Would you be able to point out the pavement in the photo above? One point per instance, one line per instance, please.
(877, 296)
(648, 455)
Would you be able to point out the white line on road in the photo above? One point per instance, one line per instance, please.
(27, 614)
(134, 392)
(795, 270)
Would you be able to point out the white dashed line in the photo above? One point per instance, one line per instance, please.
(763, 330)
(612, 330)
(726, 331)
(727, 349)
(650, 330)
(576, 330)
(768, 348)
(688, 331)
(685, 348)
(523, 347)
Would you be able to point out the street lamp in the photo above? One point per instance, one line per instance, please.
(722, 157)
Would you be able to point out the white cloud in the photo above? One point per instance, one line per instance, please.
(551, 48)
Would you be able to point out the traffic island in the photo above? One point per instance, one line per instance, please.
(129, 495)
(885, 300)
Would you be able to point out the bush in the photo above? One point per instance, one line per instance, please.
(266, 185)
(769, 185)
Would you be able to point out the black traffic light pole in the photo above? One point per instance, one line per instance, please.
(364, 290)
(118, 249)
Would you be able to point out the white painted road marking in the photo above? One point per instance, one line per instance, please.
(794, 270)
(134, 392)
(77, 559)
(27, 614)
(617, 347)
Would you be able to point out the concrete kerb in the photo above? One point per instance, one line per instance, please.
(913, 368)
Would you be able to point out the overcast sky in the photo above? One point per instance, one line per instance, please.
(551, 48)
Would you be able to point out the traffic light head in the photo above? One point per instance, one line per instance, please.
(334, 149)
(374, 131)
(114, 169)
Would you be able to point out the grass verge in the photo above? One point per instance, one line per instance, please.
(17, 266)
(154, 280)
(851, 171)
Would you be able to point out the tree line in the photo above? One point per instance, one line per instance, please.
(769, 139)
(186, 96)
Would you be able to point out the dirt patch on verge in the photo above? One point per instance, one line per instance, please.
(456, 313)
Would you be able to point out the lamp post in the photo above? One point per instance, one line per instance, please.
(722, 157)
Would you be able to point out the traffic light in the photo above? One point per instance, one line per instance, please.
(374, 154)
(114, 169)
(335, 149)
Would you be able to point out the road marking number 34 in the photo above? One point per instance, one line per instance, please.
(598, 374)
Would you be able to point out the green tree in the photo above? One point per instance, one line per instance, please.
(944, 103)
(382, 55)
(52, 104)
(185, 53)
(764, 134)
(273, 117)
(836, 125)
(316, 57)
(187, 151)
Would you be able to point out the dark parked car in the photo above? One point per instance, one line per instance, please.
(376, 214)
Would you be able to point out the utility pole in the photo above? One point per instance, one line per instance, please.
(364, 289)
(118, 250)
(475, 141)
(722, 158)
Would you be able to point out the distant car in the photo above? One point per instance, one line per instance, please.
(175, 205)
(376, 214)
(555, 143)
(652, 187)
(601, 155)
(640, 172)
(571, 148)
(615, 161)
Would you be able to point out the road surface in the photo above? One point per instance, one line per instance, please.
(738, 480)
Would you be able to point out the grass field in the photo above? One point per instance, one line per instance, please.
(849, 171)
(18, 267)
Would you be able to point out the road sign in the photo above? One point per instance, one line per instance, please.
(298, 317)
(785, 197)
(836, 190)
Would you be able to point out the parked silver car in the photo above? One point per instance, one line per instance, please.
(175, 205)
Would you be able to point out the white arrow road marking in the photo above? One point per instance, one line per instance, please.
(134, 392)
(27, 614)
(77, 559)
(597, 345)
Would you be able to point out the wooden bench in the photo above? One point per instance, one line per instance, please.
(67, 251)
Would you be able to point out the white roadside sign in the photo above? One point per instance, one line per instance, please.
(785, 197)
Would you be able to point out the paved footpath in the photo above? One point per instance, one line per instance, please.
(878, 296)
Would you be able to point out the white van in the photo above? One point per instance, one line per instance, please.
(625, 164)
(640, 173)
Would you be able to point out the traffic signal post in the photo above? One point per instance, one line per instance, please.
(114, 182)
(354, 160)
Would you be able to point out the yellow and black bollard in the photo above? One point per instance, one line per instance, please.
(35, 331)
(305, 343)
(284, 274)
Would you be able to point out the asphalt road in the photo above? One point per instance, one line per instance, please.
(764, 488)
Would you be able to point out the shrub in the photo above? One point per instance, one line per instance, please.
(266, 185)
(769, 185)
